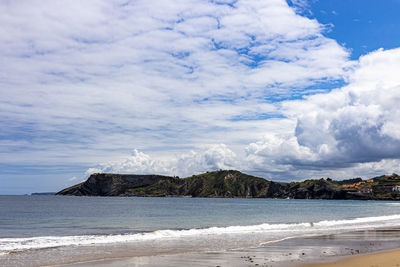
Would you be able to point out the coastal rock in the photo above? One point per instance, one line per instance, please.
(106, 184)
(232, 183)
(213, 184)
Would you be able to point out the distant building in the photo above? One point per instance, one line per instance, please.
(349, 186)
(396, 188)
(365, 189)
(370, 181)
(361, 187)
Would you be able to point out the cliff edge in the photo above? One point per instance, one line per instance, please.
(223, 183)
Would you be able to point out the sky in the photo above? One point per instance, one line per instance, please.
(285, 90)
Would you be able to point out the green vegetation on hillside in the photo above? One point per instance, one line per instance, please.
(232, 183)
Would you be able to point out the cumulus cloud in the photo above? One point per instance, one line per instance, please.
(351, 127)
(137, 162)
(206, 158)
(86, 82)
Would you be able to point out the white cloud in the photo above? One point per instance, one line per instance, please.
(87, 81)
(351, 127)
(206, 158)
(74, 178)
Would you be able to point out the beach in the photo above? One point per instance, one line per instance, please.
(378, 247)
(359, 248)
(84, 231)
(199, 133)
(383, 259)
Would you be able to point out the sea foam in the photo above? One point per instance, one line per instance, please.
(274, 231)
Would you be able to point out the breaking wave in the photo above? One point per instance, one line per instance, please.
(268, 232)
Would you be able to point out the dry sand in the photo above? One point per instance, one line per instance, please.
(383, 259)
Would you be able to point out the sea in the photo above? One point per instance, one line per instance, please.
(152, 226)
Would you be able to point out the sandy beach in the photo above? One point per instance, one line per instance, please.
(361, 248)
(276, 242)
(369, 248)
(383, 259)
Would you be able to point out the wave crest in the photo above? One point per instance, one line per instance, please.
(8, 245)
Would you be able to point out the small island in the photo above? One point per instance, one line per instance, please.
(235, 184)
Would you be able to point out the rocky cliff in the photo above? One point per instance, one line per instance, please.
(213, 184)
(106, 184)
(231, 183)
(228, 183)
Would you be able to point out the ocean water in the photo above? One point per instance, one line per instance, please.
(155, 225)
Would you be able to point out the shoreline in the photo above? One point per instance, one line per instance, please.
(310, 251)
(300, 251)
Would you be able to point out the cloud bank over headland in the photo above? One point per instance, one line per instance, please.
(349, 127)
(191, 86)
(353, 129)
(212, 157)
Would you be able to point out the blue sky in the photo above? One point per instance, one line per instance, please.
(286, 91)
(361, 25)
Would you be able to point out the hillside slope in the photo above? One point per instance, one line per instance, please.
(212, 184)
(224, 183)
(231, 183)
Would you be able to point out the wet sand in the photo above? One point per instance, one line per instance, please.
(327, 249)
(290, 252)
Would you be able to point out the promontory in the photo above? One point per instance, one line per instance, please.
(232, 183)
